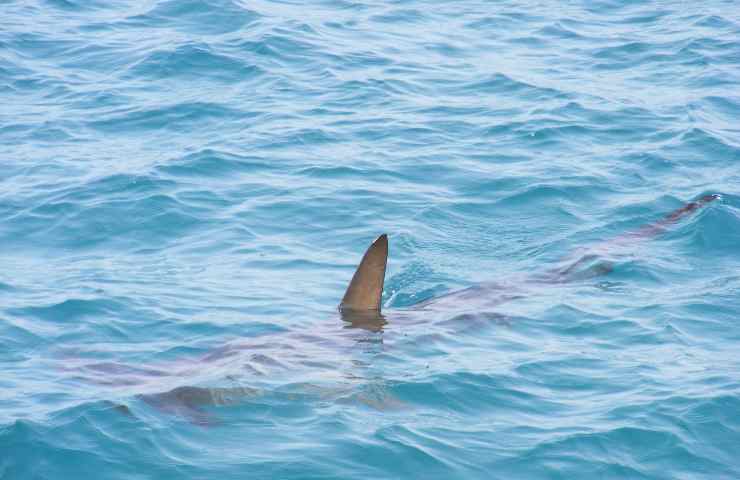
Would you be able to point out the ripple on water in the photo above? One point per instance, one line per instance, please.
(214, 17)
(192, 62)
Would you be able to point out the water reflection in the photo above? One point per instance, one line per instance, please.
(370, 320)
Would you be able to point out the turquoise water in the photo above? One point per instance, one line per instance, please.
(187, 186)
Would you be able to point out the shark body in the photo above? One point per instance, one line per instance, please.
(360, 309)
(363, 296)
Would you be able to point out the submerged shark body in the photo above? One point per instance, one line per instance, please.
(360, 309)
(363, 295)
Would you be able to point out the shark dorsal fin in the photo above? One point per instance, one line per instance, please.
(366, 287)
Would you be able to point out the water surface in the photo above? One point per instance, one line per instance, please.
(186, 187)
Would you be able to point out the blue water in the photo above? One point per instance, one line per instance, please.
(186, 187)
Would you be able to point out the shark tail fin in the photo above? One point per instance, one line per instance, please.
(366, 287)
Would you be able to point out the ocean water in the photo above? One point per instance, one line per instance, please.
(186, 187)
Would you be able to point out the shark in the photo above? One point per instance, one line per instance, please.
(362, 299)
(361, 308)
